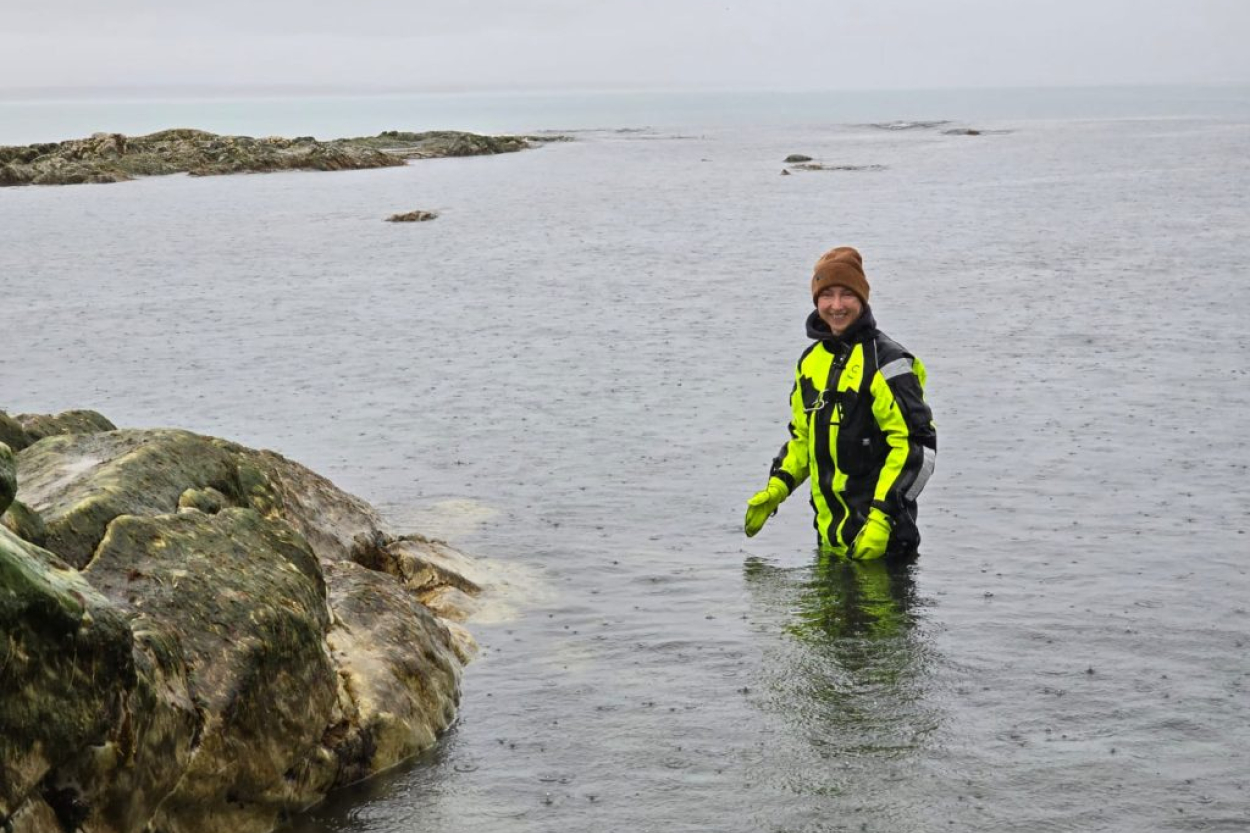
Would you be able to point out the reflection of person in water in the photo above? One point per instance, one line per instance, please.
(844, 672)
(846, 598)
(859, 598)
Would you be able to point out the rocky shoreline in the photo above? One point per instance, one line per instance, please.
(202, 637)
(113, 157)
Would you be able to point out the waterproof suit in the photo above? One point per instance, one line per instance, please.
(861, 430)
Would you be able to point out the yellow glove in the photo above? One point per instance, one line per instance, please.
(762, 505)
(872, 539)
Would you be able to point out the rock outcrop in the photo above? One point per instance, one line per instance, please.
(417, 216)
(112, 157)
(206, 638)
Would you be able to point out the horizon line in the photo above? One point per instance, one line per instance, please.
(62, 91)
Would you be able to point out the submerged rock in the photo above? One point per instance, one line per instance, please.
(817, 166)
(112, 157)
(211, 638)
(902, 124)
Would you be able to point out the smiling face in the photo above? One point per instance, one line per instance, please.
(838, 307)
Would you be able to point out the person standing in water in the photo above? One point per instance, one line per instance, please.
(860, 428)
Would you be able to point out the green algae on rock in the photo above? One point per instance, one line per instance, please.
(67, 670)
(113, 157)
(21, 430)
(240, 603)
(25, 523)
(12, 433)
(38, 426)
(214, 638)
(8, 477)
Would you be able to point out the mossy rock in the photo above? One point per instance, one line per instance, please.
(207, 500)
(80, 483)
(205, 675)
(38, 426)
(242, 601)
(67, 667)
(25, 523)
(8, 477)
(12, 433)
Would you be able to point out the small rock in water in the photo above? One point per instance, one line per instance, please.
(797, 157)
(412, 217)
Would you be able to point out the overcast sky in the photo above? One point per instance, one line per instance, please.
(771, 44)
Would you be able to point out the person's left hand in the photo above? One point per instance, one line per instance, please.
(873, 538)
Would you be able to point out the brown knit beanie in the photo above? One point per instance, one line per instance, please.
(840, 267)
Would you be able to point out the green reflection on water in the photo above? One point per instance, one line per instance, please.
(849, 669)
(846, 598)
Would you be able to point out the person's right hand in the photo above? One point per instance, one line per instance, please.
(762, 505)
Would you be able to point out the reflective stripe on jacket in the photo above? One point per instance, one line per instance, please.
(861, 430)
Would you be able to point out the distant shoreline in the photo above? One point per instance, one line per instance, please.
(115, 157)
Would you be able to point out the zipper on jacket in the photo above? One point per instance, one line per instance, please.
(826, 447)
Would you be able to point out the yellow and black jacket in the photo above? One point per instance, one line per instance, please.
(861, 430)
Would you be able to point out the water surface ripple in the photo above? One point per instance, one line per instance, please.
(580, 371)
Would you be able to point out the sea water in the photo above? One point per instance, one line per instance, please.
(580, 371)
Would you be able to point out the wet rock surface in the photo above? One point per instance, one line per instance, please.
(205, 637)
(113, 157)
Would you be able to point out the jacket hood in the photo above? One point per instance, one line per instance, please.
(864, 328)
